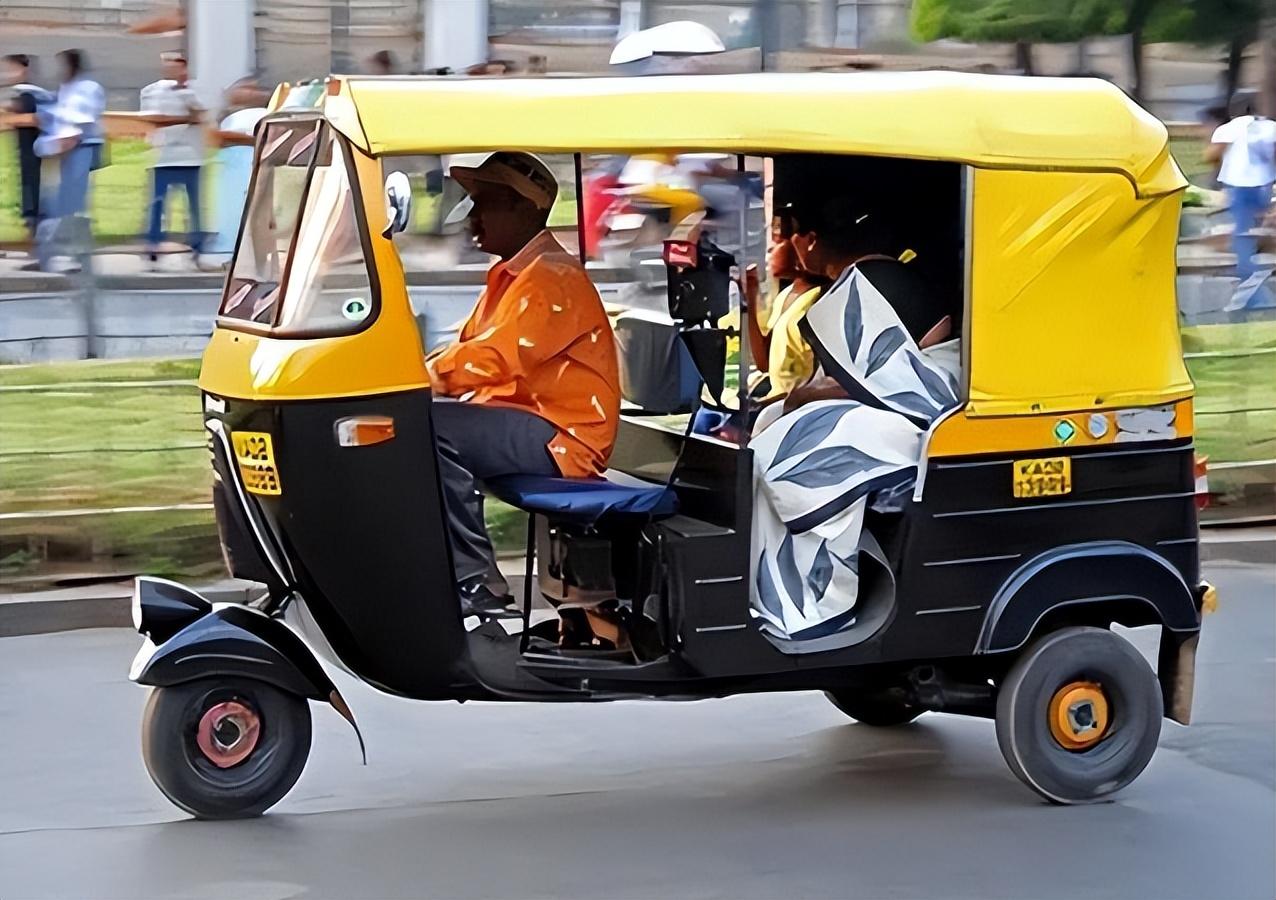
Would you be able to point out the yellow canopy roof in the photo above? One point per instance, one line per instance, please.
(993, 121)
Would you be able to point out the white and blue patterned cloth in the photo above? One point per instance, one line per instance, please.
(816, 467)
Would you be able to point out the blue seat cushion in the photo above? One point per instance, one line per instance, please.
(584, 500)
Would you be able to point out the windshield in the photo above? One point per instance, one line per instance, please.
(300, 265)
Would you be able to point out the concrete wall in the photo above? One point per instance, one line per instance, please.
(128, 320)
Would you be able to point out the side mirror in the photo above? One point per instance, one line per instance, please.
(398, 203)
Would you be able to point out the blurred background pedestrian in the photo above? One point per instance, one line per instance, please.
(381, 63)
(245, 106)
(70, 132)
(171, 104)
(24, 101)
(1245, 149)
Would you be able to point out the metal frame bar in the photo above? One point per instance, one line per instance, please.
(742, 389)
(580, 208)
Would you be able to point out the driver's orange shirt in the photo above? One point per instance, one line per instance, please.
(538, 339)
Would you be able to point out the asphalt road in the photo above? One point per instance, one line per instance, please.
(771, 796)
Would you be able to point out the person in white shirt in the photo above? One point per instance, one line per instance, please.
(179, 141)
(71, 132)
(1245, 148)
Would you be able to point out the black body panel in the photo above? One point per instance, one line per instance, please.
(241, 552)
(955, 550)
(363, 530)
(969, 535)
(953, 554)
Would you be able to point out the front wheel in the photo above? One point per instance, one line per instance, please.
(1079, 715)
(225, 748)
(879, 710)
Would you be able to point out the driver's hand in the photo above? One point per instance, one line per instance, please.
(751, 285)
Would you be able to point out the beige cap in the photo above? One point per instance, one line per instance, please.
(520, 172)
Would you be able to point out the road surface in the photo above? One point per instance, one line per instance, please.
(768, 796)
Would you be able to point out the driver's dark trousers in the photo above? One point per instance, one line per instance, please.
(476, 442)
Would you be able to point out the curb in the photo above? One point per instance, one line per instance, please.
(108, 606)
(100, 606)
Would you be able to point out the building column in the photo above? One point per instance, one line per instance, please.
(821, 23)
(630, 18)
(455, 34)
(220, 45)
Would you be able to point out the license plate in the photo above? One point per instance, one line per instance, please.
(255, 455)
(1043, 477)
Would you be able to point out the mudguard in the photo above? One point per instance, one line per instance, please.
(236, 640)
(1141, 587)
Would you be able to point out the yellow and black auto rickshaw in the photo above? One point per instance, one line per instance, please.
(1056, 499)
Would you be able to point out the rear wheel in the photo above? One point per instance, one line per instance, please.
(1079, 715)
(880, 710)
(225, 748)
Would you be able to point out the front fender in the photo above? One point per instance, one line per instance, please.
(236, 640)
(1117, 574)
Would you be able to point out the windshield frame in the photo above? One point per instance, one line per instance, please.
(347, 151)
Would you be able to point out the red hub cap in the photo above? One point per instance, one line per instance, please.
(228, 733)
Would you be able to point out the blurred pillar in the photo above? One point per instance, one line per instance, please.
(339, 22)
(821, 23)
(455, 34)
(630, 18)
(1267, 55)
(768, 14)
(219, 36)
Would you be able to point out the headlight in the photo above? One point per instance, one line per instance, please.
(161, 608)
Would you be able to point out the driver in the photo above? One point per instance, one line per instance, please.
(531, 384)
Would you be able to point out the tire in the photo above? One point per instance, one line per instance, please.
(877, 710)
(1121, 749)
(247, 787)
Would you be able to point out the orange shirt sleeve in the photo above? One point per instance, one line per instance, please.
(540, 315)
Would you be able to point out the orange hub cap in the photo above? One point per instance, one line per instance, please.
(1079, 715)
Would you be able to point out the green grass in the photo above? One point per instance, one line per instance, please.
(76, 443)
(1236, 394)
(1189, 154)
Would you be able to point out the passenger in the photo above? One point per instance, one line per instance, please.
(832, 244)
(775, 338)
(855, 429)
(532, 380)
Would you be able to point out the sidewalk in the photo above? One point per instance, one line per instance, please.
(127, 267)
(107, 605)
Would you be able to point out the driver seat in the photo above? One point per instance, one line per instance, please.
(585, 501)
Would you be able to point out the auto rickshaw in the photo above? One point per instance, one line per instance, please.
(1056, 500)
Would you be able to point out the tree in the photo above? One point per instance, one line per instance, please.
(1137, 14)
(1233, 23)
(1021, 22)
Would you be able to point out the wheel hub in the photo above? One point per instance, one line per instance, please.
(228, 733)
(1079, 715)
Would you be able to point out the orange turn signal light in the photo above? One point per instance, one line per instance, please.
(364, 431)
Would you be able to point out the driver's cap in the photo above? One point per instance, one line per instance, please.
(521, 172)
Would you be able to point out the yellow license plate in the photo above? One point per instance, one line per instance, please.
(255, 455)
(1043, 477)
